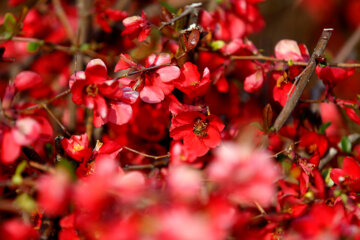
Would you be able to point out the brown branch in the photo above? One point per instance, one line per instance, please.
(157, 164)
(64, 20)
(52, 115)
(272, 59)
(348, 46)
(41, 105)
(306, 75)
(41, 167)
(188, 10)
(69, 50)
(146, 155)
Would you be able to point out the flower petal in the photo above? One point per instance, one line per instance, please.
(168, 74)
(119, 113)
(10, 150)
(96, 71)
(152, 94)
(213, 138)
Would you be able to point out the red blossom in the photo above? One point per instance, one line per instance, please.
(136, 26)
(26, 79)
(190, 81)
(77, 147)
(332, 76)
(198, 131)
(348, 176)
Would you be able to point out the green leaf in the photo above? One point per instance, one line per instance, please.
(290, 62)
(346, 144)
(9, 22)
(85, 46)
(33, 46)
(216, 45)
(323, 127)
(257, 125)
(25, 202)
(168, 7)
(17, 178)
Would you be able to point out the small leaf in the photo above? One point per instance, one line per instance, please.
(216, 45)
(345, 144)
(9, 22)
(193, 39)
(25, 202)
(268, 116)
(290, 62)
(85, 46)
(257, 125)
(168, 7)
(32, 46)
(323, 127)
(17, 178)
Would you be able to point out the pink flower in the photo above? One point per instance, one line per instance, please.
(254, 81)
(244, 174)
(289, 50)
(54, 192)
(26, 131)
(158, 84)
(26, 79)
(110, 102)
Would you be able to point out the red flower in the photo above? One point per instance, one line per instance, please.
(280, 94)
(332, 76)
(199, 132)
(92, 88)
(190, 82)
(137, 26)
(348, 176)
(77, 147)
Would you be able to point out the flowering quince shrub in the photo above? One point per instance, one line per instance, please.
(121, 122)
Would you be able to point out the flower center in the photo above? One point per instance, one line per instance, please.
(77, 147)
(200, 127)
(92, 90)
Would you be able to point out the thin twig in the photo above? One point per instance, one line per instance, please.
(64, 20)
(69, 50)
(41, 105)
(188, 10)
(260, 208)
(146, 155)
(296, 63)
(309, 70)
(123, 75)
(41, 167)
(157, 164)
(52, 115)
